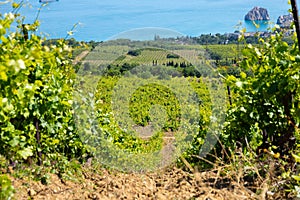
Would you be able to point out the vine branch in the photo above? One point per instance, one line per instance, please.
(296, 20)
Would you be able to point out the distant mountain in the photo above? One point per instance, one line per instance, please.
(257, 13)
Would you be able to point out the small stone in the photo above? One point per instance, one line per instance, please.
(31, 192)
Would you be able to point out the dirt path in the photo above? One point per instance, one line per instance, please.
(170, 183)
(80, 57)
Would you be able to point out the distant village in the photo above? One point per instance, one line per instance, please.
(227, 38)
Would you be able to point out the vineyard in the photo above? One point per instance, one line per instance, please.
(226, 51)
(147, 119)
(118, 53)
(146, 110)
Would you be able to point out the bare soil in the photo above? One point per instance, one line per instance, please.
(172, 183)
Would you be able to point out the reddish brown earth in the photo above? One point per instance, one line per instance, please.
(170, 183)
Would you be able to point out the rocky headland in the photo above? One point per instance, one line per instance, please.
(257, 13)
(285, 21)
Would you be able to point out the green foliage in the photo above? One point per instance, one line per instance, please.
(155, 57)
(6, 188)
(152, 105)
(150, 95)
(223, 52)
(134, 52)
(295, 175)
(36, 84)
(205, 111)
(105, 52)
(117, 70)
(111, 129)
(172, 55)
(148, 55)
(214, 55)
(266, 111)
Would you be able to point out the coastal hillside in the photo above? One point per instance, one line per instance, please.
(215, 116)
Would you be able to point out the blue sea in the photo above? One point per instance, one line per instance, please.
(100, 20)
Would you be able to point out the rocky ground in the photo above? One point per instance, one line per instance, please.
(172, 183)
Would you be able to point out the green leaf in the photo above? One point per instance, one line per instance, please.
(25, 153)
(297, 178)
(297, 158)
(3, 76)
